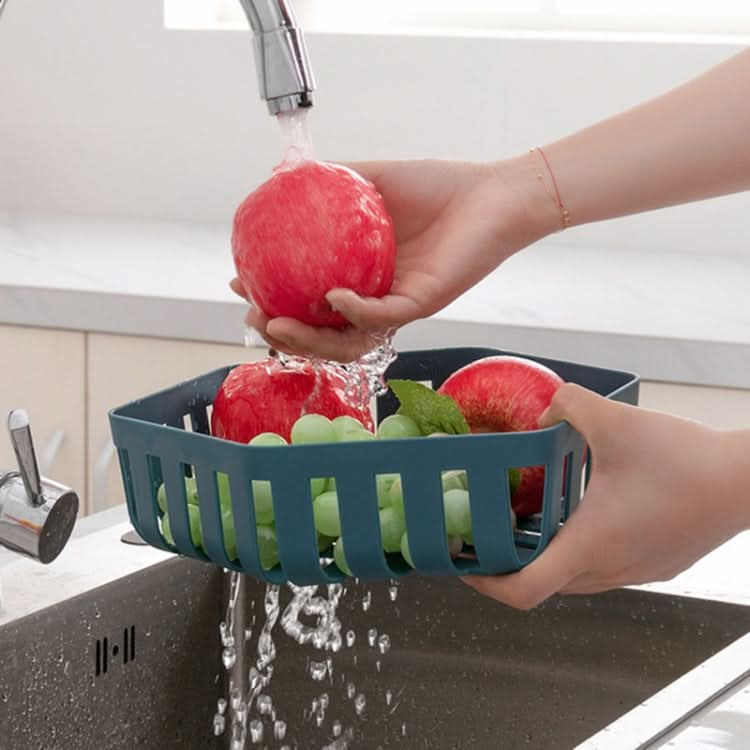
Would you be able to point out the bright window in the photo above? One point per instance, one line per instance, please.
(728, 17)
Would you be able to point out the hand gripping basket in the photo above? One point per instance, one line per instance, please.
(165, 436)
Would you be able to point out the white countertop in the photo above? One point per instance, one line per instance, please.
(683, 318)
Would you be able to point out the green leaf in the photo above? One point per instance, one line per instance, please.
(432, 411)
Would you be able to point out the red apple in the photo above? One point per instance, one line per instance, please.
(308, 229)
(506, 394)
(264, 396)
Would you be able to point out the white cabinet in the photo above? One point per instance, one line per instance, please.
(43, 372)
(123, 368)
(724, 408)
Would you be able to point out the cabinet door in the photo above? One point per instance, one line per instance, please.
(43, 372)
(724, 408)
(124, 368)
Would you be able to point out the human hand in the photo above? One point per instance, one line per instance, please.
(663, 492)
(454, 223)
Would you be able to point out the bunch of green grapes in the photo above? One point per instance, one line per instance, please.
(314, 429)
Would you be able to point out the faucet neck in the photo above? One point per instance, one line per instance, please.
(285, 77)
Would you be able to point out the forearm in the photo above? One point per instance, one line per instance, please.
(689, 144)
(736, 450)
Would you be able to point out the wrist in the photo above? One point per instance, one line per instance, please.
(524, 176)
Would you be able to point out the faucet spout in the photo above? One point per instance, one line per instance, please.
(285, 77)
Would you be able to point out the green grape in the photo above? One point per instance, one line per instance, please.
(268, 547)
(457, 512)
(356, 436)
(191, 493)
(343, 425)
(313, 428)
(318, 486)
(398, 426)
(325, 542)
(326, 514)
(405, 552)
(161, 498)
(262, 501)
(191, 490)
(230, 535)
(453, 480)
(166, 530)
(225, 492)
(396, 496)
(383, 484)
(262, 495)
(339, 557)
(269, 439)
(392, 528)
(194, 519)
(455, 545)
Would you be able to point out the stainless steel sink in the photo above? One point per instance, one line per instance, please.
(137, 663)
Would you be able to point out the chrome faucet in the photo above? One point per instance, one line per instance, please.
(285, 78)
(37, 515)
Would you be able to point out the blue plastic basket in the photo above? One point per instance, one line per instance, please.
(154, 446)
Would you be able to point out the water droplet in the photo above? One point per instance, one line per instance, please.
(219, 724)
(256, 731)
(388, 697)
(403, 729)
(393, 592)
(350, 690)
(366, 601)
(254, 678)
(235, 697)
(229, 657)
(336, 728)
(264, 704)
(324, 701)
(350, 638)
(359, 704)
(384, 644)
(221, 704)
(279, 729)
(318, 670)
(372, 635)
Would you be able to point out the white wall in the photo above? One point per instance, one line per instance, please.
(104, 111)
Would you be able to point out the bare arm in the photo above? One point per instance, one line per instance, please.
(689, 144)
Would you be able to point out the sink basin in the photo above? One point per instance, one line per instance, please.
(137, 663)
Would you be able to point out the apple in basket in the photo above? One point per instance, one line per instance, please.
(310, 228)
(506, 394)
(266, 396)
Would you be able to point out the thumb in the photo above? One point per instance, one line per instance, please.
(586, 411)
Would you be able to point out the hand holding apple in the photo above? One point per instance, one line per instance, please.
(663, 492)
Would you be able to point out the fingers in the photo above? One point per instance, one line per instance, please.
(562, 562)
(585, 410)
(375, 314)
(236, 286)
(340, 345)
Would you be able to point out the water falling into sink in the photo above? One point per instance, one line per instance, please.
(248, 711)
